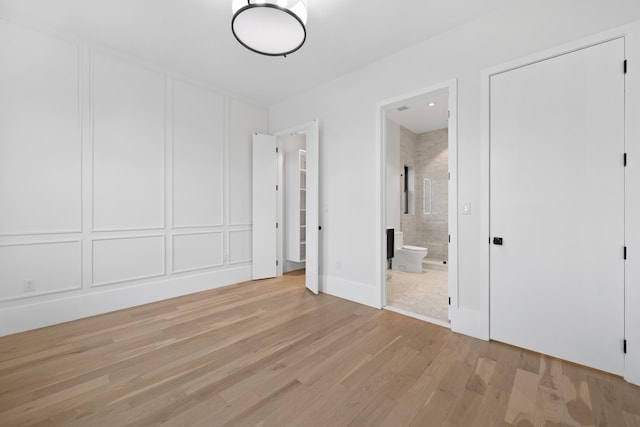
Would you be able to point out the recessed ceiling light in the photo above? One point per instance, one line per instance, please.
(432, 104)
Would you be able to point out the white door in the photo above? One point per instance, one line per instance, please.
(265, 170)
(313, 224)
(557, 203)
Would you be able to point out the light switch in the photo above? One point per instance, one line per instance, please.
(466, 209)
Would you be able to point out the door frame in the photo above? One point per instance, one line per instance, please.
(280, 193)
(381, 262)
(481, 317)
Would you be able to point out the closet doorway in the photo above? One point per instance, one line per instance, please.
(285, 203)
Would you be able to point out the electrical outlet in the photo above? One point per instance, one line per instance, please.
(28, 285)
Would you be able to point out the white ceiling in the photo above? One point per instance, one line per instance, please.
(419, 117)
(193, 37)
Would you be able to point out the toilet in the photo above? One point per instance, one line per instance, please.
(407, 258)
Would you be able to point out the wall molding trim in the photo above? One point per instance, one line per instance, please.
(40, 233)
(228, 242)
(128, 279)
(31, 295)
(93, 54)
(204, 267)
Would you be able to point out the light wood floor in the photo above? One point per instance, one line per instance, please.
(271, 354)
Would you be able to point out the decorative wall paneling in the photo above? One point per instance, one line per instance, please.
(126, 259)
(243, 119)
(148, 175)
(198, 156)
(239, 249)
(197, 251)
(39, 268)
(40, 133)
(128, 111)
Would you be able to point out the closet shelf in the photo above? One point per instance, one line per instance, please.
(296, 179)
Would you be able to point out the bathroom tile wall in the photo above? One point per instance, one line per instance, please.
(428, 153)
(432, 163)
(408, 151)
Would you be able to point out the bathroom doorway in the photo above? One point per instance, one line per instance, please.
(419, 158)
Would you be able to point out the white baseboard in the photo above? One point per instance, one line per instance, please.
(362, 293)
(37, 315)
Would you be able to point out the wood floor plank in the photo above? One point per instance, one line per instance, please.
(632, 420)
(270, 353)
(493, 407)
(576, 397)
(522, 402)
(436, 410)
(550, 407)
(607, 405)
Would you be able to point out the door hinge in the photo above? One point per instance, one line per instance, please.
(276, 225)
(449, 238)
(449, 113)
(276, 149)
(625, 66)
(624, 346)
(449, 300)
(276, 187)
(276, 262)
(625, 252)
(449, 176)
(625, 159)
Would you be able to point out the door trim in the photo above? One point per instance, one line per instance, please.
(452, 87)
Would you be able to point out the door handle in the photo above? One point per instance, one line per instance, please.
(497, 241)
(319, 227)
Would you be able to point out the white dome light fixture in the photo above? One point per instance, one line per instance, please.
(272, 28)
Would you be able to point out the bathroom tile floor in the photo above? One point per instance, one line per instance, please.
(425, 293)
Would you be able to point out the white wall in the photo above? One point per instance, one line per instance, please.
(119, 184)
(346, 108)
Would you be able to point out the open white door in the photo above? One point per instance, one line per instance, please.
(265, 170)
(313, 224)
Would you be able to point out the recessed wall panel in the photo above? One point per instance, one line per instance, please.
(128, 258)
(128, 146)
(40, 268)
(197, 156)
(244, 121)
(240, 246)
(40, 151)
(197, 251)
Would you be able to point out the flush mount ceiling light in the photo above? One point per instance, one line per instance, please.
(432, 104)
(273, 28)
